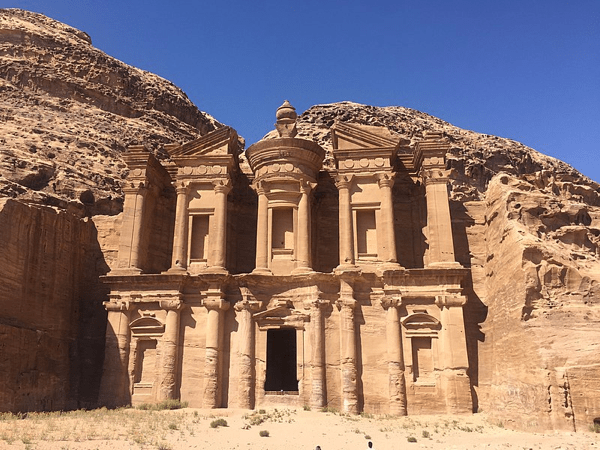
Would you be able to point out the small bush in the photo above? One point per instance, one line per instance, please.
(411, 439)
(306, 408)
(173, 426)
(425, 434)
(218, 423)
(367, 437)
(263, 433)
(262, 411)
(164, 446)
(595, 428)
(161, 406)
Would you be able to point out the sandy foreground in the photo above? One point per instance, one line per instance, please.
(287, 429)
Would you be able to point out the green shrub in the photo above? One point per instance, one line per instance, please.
(425, 434)
(165, 404)
(411, 439)
(263, 433)
(306, 408)
(218, 423)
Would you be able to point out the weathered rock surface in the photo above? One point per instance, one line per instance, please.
(69, 111)
(51, 321)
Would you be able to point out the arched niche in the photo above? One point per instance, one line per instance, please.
(422, 330)
(146, 333)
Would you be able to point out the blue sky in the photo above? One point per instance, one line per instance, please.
(527, 70)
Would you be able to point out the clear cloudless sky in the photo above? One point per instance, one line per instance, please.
(528, 70)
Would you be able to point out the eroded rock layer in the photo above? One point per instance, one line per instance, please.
(68, 111)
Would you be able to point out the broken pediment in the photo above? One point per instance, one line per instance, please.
(220, 142)
(280, 316)
(347, 136)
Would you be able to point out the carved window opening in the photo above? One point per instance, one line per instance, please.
(282, 235)
(366, 234)
(199, 238)
(281, 361)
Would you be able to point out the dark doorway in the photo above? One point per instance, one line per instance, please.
(281, 360)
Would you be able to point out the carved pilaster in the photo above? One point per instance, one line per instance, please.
(170, 345)
(303, 241)
(218, 233)
(343, 183)
(346, 305)
(397, 381)
(180, 239)
(316, 306)
(215, 305)
(244, 310)
(262, 231)
(386, 182)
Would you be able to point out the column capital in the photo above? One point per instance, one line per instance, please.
(171, 305)
(434, 176)
(260, 187)
(450, 300)
(388, 301)
(215, 304)
(343, 181)
(306, 186)
(346, 303)
(136, 187)
(222, 185)
(385, 180)
(181, 187)
(317, 303)
(117, 306)
(247, 305)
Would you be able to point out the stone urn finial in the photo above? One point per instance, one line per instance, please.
(286, 120)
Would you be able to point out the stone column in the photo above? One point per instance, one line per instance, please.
(169, 350)
(343, 184)
(397, 382)
(215, 305)
(346, 304)
(262, 232)
(386, 182)
(180, 239)
(133, 226)
(454, 361)
(115, 389)
(244, 311)
(318, 398)
(218, 233)
(303, 239)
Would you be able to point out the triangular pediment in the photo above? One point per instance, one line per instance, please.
(220, 142)
(346, 136)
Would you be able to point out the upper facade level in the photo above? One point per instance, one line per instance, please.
(384, 207)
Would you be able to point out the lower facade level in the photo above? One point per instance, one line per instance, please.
(386, 343)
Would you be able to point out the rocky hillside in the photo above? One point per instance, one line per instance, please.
(68, 111)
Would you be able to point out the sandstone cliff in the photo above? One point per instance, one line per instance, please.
(68, 111)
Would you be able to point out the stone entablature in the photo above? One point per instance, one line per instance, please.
(283, 333)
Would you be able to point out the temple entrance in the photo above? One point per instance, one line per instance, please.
(281, 360)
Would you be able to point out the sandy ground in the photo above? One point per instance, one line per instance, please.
(287, 428)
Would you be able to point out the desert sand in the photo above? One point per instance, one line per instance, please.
(287, 428)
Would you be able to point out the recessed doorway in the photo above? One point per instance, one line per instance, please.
(281, 360)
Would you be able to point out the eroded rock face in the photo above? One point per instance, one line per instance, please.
(51, 322)
(69, 111)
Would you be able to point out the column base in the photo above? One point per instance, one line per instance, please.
(444, 265)
(302, 270)
(177, 270)
(262, 271)
(215, 270)
(125, 271)
(347, 268)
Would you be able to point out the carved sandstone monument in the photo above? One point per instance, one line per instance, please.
(363, 258)
(301, 328)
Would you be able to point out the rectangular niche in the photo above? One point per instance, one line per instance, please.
(146, 367)
(366, 234)
(282, 235)
(199, 238)
(422, 356)
(281, 361)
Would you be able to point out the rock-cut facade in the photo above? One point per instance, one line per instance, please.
(266, 279)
